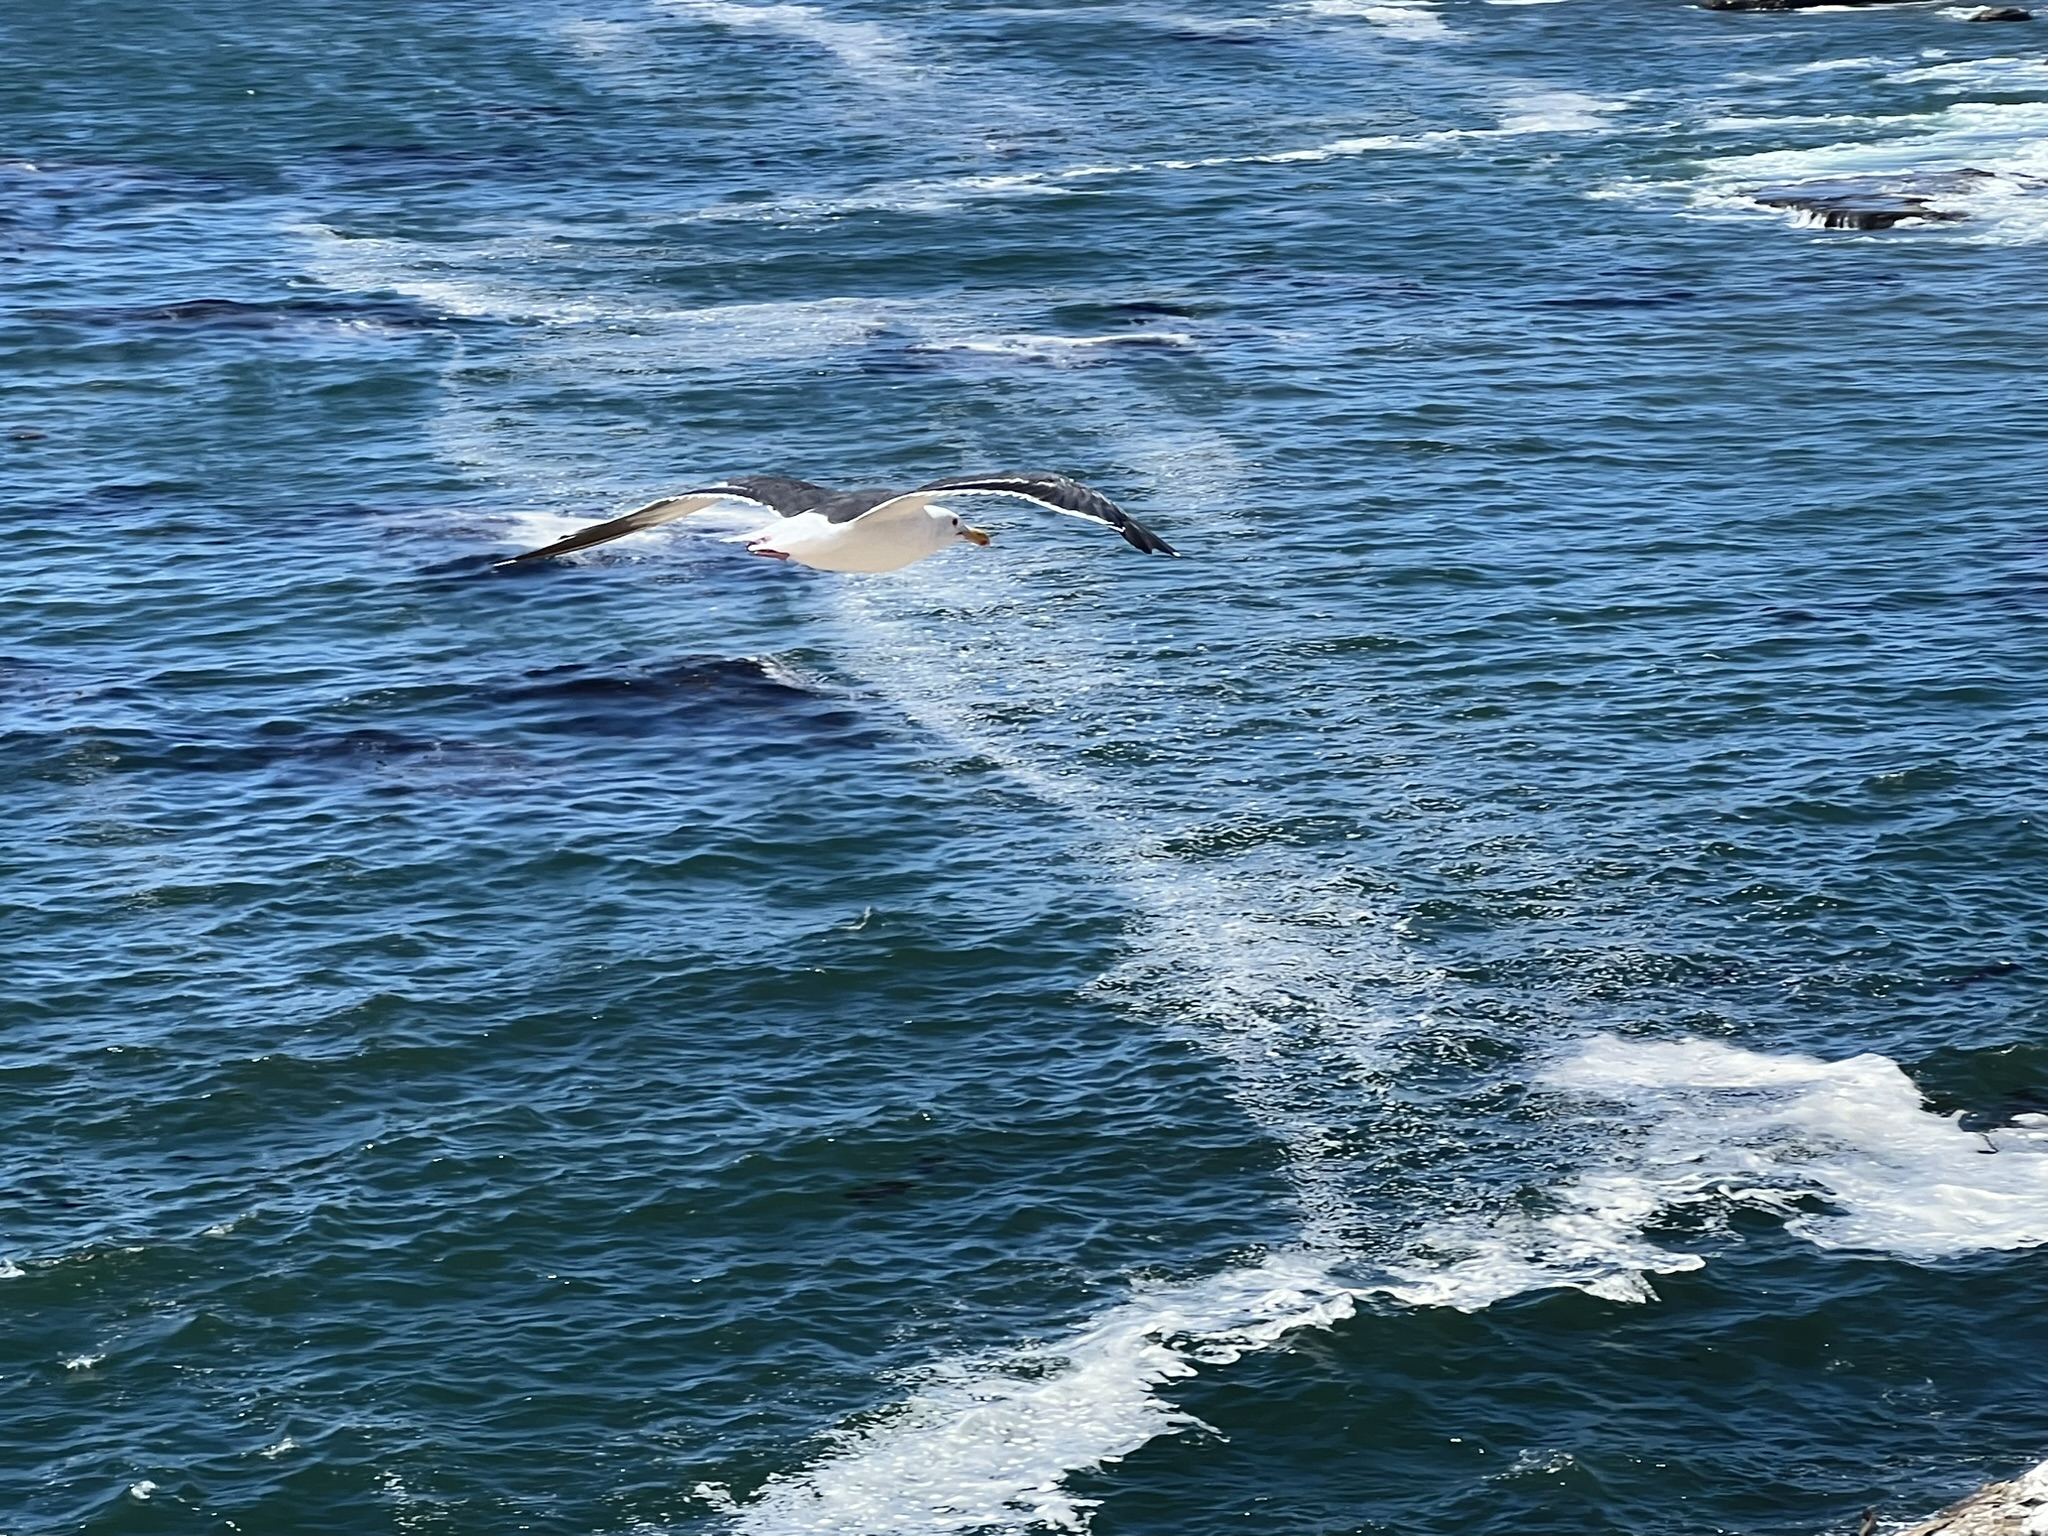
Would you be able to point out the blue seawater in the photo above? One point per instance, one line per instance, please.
(1501, 992)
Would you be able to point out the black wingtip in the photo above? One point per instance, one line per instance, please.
(1144, 540)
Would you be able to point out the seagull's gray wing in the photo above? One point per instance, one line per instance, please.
(758, 490)
(1056, 493)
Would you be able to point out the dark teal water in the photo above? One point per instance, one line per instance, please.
(1499, 993)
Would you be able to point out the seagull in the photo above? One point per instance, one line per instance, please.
(832, 530)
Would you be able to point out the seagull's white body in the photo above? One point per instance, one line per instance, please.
(887, 539)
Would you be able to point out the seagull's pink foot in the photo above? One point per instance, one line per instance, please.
(762, 549)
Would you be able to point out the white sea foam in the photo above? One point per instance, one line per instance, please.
(478, 281)
(1061, 349)
(462, 282)
(1414, 20)
(1843, 1150)
(1987, 74)
(1210, 26)
(1872, 62)
(2007, 136)
(1726, 1124)
(1557, 112)
(1591, 1241)
(1835, 122)
(860, 46)
(982, 1446)
(943, 194)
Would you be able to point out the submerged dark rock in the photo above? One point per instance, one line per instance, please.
(260, 315)
(1872, 202)
(1786, 5)
(1989, 971)
(690, 692)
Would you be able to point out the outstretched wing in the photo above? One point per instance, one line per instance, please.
(776, 493)
(1056, 493)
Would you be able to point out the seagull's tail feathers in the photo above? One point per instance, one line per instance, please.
(1058, 493)
(655, 513)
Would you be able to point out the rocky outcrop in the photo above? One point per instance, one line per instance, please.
(1786, 5)
(1987, 13)
(1872, 202)
(2017, 1508)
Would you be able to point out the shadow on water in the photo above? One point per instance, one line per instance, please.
(590, 700)
(269, 316)
(754, 703)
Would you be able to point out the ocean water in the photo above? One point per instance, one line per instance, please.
(1498, 993)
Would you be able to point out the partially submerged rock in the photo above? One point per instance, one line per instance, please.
(2017, 1508)
(1786, 5)
(2000, 13)
(1872, 202)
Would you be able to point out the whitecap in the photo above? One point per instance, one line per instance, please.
(1728, 1124)
(1557, 112)
(941, 195)
(1336, 149)
(1990, 74)
(1843, 1151)
(1415, 21)
(987, 1446)
(1060, 349)
(1872, 62)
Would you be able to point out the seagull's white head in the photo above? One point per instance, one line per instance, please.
(965, 534)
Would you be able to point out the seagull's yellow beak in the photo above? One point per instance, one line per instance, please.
(974, 536)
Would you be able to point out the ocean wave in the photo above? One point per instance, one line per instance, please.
(1557, 112)
(1061, 349)
(1410, 20)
